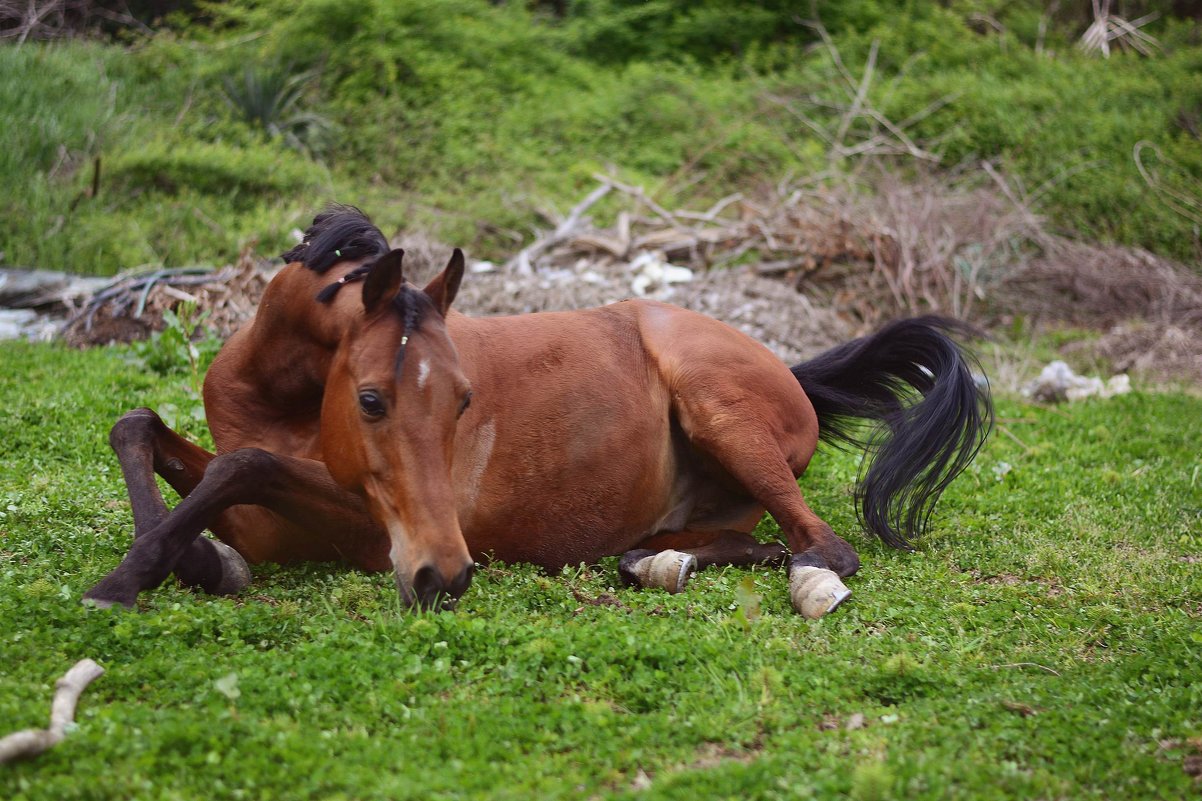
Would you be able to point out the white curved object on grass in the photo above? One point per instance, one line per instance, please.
(32, 742)
(815, 591)
(666, 570)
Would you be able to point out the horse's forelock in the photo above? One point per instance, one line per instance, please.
(413, 305)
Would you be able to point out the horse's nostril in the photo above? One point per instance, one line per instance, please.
(427, 585)
(430, 589)
(460, 584)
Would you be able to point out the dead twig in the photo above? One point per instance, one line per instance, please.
(1044, 668)
(861, 95)
(31, 742)
(1011, 435)
(1107, 28)
(24, 20)
(846, 140)
(638, 193)
(1187, 206)
(524, 261)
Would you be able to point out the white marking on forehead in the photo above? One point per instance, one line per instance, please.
(423, 373)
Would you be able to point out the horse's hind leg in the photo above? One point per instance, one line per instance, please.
(668, 561)
(765, 451)
(144, 446)
(820, 556)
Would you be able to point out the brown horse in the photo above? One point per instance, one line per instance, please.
(387, 430)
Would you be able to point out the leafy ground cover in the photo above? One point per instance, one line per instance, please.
(1044, 642)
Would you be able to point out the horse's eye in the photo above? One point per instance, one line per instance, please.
(463, 404)
(371, 404)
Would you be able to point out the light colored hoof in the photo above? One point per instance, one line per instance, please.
(235, 573)
(667, 570)
(816, 591)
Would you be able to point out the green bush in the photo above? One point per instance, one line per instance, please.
(213, 168)
(1061, 124)
(466, 117)
(174, 188)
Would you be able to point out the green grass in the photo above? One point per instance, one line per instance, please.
(1043, 643)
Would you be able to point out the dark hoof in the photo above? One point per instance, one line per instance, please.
(837, 556)
(111, 590)
(235, 573)
(98, 602)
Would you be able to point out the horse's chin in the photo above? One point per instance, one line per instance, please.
(405, 591)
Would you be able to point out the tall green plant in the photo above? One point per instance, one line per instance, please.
(272, 99)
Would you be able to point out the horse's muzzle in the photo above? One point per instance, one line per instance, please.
(430, 590)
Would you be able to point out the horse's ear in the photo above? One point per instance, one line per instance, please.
(445, 286)
(384, 280)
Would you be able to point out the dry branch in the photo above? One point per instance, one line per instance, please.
(800, 266)
(1185, 204)
(523, 262)
(31, 742)
(132, 304)
(1107, 28)
(55, 19)
(884, 137)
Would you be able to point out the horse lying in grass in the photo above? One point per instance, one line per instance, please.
(387, 430)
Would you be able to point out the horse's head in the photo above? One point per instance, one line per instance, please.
(392, 401)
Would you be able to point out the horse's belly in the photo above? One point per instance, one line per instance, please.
(565, 501)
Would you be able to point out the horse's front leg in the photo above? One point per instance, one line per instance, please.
(297, 490)
(145, 446)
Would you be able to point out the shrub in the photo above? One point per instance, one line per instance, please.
(466, 116)
(211, 168)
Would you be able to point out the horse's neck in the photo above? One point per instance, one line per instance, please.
(276, 367)
(294, 337)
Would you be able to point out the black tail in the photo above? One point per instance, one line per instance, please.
(916, 449)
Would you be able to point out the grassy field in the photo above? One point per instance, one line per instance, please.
(1045, 641)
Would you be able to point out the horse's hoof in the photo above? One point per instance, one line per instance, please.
(235, 573)
(666, 570)
(816, 591)
(92, 602)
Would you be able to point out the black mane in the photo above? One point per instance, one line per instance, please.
(340, 233)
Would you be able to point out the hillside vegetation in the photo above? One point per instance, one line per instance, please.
(471, 120)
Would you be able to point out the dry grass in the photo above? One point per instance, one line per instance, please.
(22, 20)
